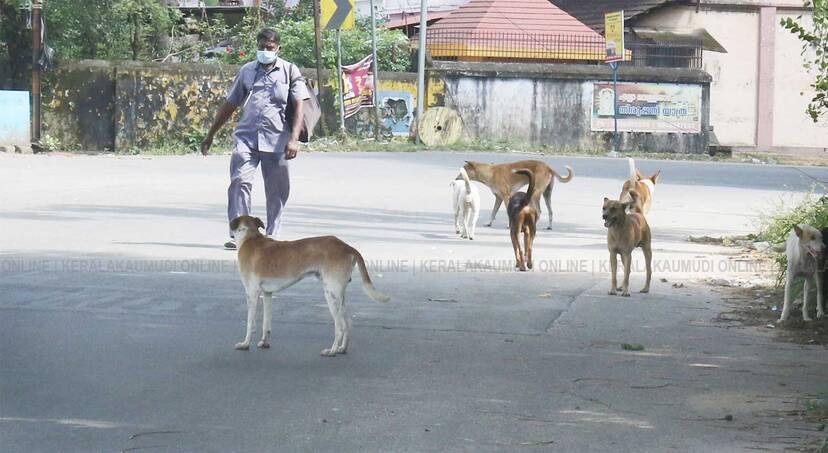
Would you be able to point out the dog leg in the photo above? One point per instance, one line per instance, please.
(515, 234)
(820, 300)
(345, 319)
(613, 273)
(267, 303)
(547, 197)
(475, 216)
(528, 239)
(498, 201)
(648, 259)
(806, 292)
(626, 259)
(252, 304)
(334, 307)
(786, 306)
(467, 227)
(456, 216)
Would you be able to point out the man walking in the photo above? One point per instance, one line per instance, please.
(263, 88)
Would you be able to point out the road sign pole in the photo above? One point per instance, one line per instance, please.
(616, 52)
(614, 66)
(320, 83)
(375, 71)
(421, 65)
(339, 81)
(37, 47)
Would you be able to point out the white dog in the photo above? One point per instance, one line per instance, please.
(804, 251)
(466, 205)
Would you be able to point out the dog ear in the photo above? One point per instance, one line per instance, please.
(654, 178)
(258, 222)
(234, 224)
(798, 231)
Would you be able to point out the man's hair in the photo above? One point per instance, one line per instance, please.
(268, 34)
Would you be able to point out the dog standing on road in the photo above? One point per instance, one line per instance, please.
(268, 266)
(642, 185)
(523, 218)
(626, 231)
(466, 202)
(503, 181)
(805, 252)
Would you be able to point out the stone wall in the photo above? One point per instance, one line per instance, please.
(552, 104)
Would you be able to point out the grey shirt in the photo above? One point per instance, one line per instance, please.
(263, 97)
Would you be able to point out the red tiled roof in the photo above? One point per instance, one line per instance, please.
(407, 19)
(510, 16)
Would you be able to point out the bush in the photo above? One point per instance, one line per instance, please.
(811, 211)
(776, 227)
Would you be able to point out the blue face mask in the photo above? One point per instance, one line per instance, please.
(266, 56)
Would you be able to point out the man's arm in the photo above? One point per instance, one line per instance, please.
(224, 113)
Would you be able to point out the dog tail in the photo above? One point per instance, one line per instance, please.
(367, 285)
(466, 179)
(530, 192)
(569, 175)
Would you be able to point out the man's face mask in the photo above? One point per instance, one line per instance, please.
(266, 56)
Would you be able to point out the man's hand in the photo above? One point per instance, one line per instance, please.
(205, 145)
(292, 149)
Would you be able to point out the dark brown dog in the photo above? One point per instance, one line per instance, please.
(523, 218)
(626, 231)
(503, 181)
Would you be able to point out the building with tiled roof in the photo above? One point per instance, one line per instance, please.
(505, 30)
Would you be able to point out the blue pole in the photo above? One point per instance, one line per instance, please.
(615, 104)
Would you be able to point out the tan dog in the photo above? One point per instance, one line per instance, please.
(626, 231)
(642, 185)
(268, 266)
(523, 218)
(503, 181)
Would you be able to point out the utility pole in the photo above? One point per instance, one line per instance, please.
(421, 65)
(320, 84)
(37, 48)
(375, 71)
(339, 81)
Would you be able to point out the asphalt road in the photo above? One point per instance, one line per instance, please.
(119, 311)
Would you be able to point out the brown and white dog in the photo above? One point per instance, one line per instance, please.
(503, 181)
(523, 218)
(268, 266)
(626, 231)
(805, 252)
(642, 185)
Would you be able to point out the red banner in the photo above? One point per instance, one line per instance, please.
(358, 86)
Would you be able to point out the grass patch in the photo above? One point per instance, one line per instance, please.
(632, 347)
(404, 145)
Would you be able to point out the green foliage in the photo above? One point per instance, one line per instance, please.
(149, 30)
(814, 37)
(297, 40)
(15, 46)
(776, 227)
(110, 29)
(50, 143)
(811, 211)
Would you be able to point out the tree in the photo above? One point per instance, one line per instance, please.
(814, 37)
(15, 46)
